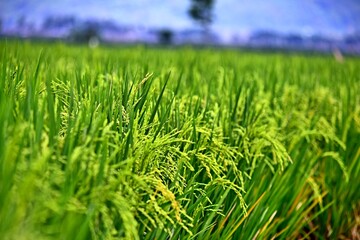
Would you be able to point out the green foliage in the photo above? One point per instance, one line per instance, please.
(138, 143)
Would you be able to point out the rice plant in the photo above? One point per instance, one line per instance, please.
(143, 143)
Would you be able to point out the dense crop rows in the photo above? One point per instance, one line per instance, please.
(141, 143)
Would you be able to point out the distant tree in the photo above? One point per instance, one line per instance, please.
(201, 12)
(84, 34)
(165, 36)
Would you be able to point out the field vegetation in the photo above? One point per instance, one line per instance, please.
(142, 143)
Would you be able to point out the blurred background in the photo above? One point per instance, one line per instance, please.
(321, 25)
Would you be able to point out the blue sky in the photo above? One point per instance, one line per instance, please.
(329, 17)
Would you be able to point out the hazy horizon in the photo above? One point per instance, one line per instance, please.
(231, 17)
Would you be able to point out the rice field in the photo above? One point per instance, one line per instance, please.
(134, 142)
